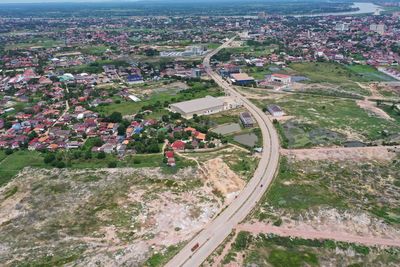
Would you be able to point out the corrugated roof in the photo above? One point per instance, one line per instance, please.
(241, 76)
(194, 105)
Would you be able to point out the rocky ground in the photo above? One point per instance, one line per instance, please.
(106, 217)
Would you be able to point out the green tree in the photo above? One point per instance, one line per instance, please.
(115, 117)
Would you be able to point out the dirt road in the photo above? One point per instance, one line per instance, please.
(311, 234)
(380, 153)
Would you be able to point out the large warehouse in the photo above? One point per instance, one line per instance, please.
(201, 106)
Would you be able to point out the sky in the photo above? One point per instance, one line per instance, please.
(54, 1)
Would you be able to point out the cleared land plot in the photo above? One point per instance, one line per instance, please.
(343, 77)
(107, 217)
(344, 196)
(270, 250)
(324, 121)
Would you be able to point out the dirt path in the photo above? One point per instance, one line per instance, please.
(227, 248)
(370, 106)
(381, 153)
(193, 159)
(372, 88)
(310, 234)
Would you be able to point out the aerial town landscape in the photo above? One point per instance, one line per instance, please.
(200, 133)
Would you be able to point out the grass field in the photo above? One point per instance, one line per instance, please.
(369, 72)
(270, 250)
(306, 185)
(95, 50)
(12, 164)
(324, 121)
(171, 96)
(46, 43)
(15, 162)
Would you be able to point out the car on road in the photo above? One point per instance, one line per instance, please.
(195, 247)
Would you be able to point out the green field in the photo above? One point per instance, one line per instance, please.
(339, 75)
(12, 164)
(15, 162)
(369, 72)
(276, 251)
(46, 43)
(171, 96)
(323, 120)
(95, 50)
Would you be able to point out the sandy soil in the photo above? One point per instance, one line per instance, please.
(372, 108)
(331, 233)
(380, 153)
(222, 177)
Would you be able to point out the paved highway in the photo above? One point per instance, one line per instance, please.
(217, 230)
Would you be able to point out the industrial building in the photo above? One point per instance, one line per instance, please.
(241, 79)
(205, 106)
(280, 78)
(247, 120)
(201, 106)
(275, 110)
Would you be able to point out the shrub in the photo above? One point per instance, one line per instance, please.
(49, 158)
(101, 155)
(60, 164)
(112, 164)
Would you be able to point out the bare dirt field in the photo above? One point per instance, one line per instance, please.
(380, 153)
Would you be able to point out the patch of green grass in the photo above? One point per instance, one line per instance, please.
(10, 192)
(369, 72)
(287, 258)
(159, 259)
(334, 73)
(59, 258)
(95, 50)
(297, 196)
(15, 162)
(2, 155)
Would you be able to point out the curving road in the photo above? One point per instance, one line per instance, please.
(217, 230)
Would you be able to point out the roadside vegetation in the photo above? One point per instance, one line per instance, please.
(270, 250)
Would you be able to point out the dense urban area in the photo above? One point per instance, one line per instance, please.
(173, 133)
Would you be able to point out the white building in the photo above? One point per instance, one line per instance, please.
(281, 78)
(204, 106)
(275, 111)
(378, 28)
(342, 27)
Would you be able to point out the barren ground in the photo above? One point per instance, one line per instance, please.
(107, 217)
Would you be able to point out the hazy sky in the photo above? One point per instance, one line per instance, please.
(46, 1)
